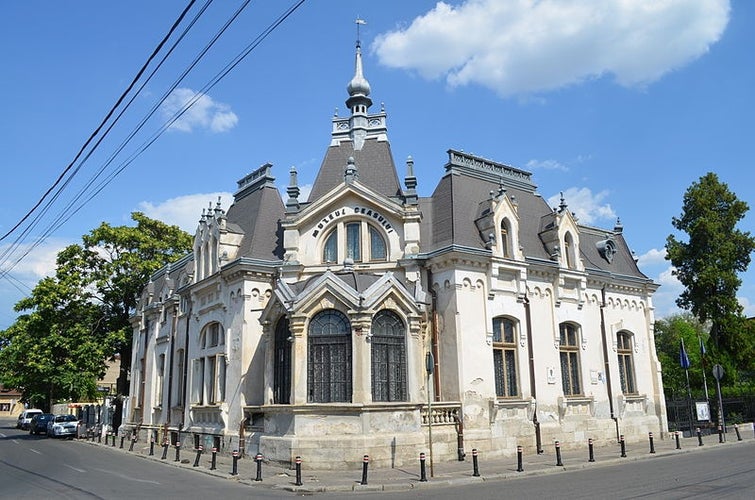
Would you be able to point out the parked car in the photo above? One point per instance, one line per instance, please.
(63, 426)
(25, 418)
(38, 424)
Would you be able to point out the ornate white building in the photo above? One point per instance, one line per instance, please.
(367, 318)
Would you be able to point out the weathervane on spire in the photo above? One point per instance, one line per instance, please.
(359, 21)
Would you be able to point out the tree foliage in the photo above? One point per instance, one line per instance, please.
(77, 320)
(709, 262)
(669, 333)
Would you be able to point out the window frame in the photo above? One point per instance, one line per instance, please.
(354, 239)
(506, 378)
(625, 357)
(328, 339)
(388, 377)
(569, 358)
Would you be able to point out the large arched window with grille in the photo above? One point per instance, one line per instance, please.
(329, 359)
(282, 363)
(388, 357)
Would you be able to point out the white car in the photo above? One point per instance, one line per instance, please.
(63, 426)
(25, 418)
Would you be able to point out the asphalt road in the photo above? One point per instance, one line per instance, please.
(720, 473)
(34, 467)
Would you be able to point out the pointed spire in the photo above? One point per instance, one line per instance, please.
(410, 181)
(292, 204)
(358, 88)
(619, 227)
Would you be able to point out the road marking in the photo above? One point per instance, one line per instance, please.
(74, 468)
(123, 476)
(35, 451)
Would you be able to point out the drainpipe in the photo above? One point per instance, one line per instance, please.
(186, 364)
(606, 361)
(533, 383)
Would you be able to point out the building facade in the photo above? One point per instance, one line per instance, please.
(370, 320)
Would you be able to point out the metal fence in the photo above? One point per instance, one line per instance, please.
(684, 416)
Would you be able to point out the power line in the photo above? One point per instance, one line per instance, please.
(105, 120)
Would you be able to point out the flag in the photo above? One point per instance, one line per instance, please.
(683, 358)
(361, 21)
(702, 347)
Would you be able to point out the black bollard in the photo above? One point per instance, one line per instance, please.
(365, 462)
(122, 438)
(152, 446)
(99, 438)
(422, 468)
(298, 472)
(591, 451)
(678, 443)
(699, 437)
(131, 446)
(199, 454)
(165, 450)
(519, 467)
(113, 445)
(214, 455)
(235, 470)
(736, 429)
(178, 451)
(652, 446)
(558, 455)
(720, 434)
(623, 446)
(475, 463)
(258, 459)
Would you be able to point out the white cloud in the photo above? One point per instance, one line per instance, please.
(749, 307)
(546, 165)
(204, 113)
(587, 206)
(664, 299)
(652, 257)
(185, 211)
(38, 263)
(523, 47)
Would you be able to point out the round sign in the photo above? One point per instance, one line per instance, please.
(718, 372)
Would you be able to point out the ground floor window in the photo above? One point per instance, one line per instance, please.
(504, 358)
(388, 357)
(282, 363)
(329, 358)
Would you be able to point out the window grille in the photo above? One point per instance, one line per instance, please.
(329, 358)
(504, 358)
(569, 351)
(388, 357)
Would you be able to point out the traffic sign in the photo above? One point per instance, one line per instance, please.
(718, 371)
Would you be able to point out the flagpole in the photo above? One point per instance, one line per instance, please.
(684, 362)
(702, 363)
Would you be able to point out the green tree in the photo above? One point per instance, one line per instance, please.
(669, 333)
(709, 262)
(118, 262)
(78, 319)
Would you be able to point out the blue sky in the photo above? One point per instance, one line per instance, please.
(619, 105)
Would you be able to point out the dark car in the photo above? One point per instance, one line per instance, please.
(38, 424)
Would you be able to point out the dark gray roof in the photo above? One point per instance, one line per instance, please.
(257, 215)
(449, 219)
(374, 164)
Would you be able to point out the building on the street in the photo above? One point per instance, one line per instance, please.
(366, 317)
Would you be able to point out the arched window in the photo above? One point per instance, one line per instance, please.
(355, 240)
(208, 377)
(569, 352)
(506, 239)
(329, 359)
(282, 363)
(388, 357)
(569, 251)
(504, 358)
(626, 362)
(330, 249)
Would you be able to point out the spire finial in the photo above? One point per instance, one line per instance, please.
(359, 21)
(563, 204)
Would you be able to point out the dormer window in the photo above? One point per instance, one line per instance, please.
(356, 240)
(506, 239)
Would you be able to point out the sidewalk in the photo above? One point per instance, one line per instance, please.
(407, 478)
